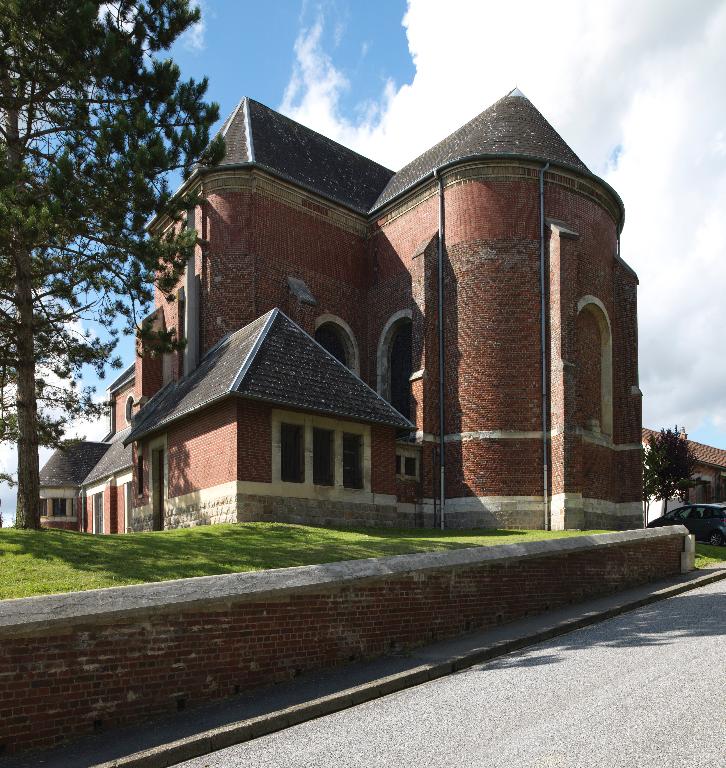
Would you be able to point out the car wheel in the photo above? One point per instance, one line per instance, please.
(716, 539)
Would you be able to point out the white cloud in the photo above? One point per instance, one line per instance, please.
(194, 39)
(637, 90)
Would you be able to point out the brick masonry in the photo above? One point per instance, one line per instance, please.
(82, 662)
(364, 271)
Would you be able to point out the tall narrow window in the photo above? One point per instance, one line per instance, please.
(329, 336)
(139, 472)
(292, 463)
(322, 456)
(98, 512)
(127, 506)
(400, 367)
(352, 461)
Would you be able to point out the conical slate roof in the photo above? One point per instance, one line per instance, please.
(272, 359)
(511, 126)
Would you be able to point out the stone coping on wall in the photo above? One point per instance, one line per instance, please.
(48, 613)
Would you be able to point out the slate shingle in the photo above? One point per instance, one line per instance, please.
(70, 464)
(117, 457)
(273, 360)
(302, 155)
(511, 126)
(123, 379)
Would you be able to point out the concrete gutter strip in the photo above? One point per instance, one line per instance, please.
(48, 612)
(237, 733)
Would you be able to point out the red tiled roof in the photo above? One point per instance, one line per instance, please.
(705, 454)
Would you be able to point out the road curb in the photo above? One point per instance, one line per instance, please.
(237, 733)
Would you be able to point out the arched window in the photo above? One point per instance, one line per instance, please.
(336, 336)
(594, 366)
(395, 362)
(129, 408)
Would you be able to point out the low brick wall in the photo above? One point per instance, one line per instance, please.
(74, 663)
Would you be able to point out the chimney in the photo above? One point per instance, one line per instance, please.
(683, 434)
(191, 306)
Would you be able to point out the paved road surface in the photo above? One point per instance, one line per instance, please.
(644, 689)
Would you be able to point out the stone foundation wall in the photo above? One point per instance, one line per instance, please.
(76, 663)
(568, 511)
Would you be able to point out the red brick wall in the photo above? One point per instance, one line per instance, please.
(128, 669)
(203, 449)
(383, 460)
(492, 316)
(119, 405)
(254, 442)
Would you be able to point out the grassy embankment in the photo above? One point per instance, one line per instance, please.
(44, 562)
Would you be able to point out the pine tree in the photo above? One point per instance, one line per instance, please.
(92, 120)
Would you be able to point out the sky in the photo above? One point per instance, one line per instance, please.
(638, 90)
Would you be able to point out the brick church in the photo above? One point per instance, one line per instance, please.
(318, 384)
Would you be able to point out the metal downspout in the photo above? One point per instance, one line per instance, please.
(543, 342)
(442, 459)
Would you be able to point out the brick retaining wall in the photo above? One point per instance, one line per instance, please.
(74, 663)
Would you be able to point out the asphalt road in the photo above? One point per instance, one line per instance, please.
(644, 689)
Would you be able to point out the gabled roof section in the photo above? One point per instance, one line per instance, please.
(117, 458)
(121, 381)
(511, 126)
(254, 133)
(210, 381)
(273, 360)
(291, 369)
(69, 465)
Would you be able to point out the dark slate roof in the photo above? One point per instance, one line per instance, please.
(116, 458)
(127, 376)
(254, 133)
(274, 360)
(69, 464)
(511, 126)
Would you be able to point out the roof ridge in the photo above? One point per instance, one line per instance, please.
(351, 372)
(322, 135)
(248, 130)
(261, 336)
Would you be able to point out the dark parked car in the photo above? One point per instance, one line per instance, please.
(706, 521)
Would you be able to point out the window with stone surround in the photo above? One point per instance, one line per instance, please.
(407, 462)
(323, 454)
(352, 461)
(292, 460)
(395, 362)
(336, 337)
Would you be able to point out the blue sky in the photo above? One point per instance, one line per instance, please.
(637, 102)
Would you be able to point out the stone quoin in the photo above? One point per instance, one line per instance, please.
(309, 387)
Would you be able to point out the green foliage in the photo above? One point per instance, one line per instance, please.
(92, 119)
(668, 464)
(43, 562)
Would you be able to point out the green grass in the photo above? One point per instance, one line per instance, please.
(44, 562)
(708, 555)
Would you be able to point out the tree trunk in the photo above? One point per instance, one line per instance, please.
(28, 509)
(28, 505)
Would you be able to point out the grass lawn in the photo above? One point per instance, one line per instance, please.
(43, 562)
